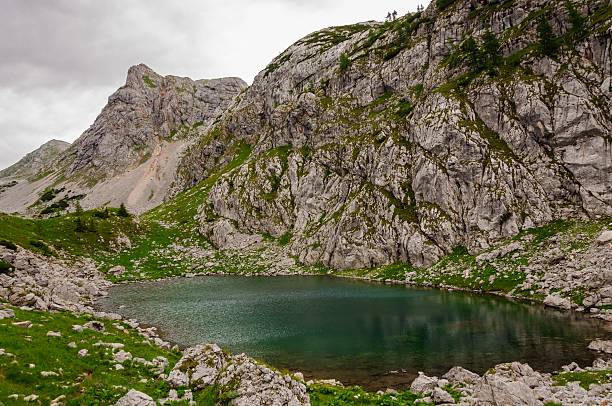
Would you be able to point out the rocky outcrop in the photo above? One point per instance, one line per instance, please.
(132, 151)
(513, 384)
(404, 151)
(250, 383)
(35, 161)
(45, 283)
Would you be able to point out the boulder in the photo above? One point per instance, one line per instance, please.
(601, 346)
(555, 300)
(459, 375)
(604, 238)
(135, 398)
(254, 384)
(423, 384)
(442, 396)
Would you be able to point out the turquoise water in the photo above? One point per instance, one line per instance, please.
(367, 334)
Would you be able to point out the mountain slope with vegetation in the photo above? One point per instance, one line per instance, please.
(458, 126)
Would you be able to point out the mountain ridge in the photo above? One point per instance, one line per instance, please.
(130, 153)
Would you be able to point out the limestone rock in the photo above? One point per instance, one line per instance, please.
(555, 300)
(459, 375)
(605, 238)
(601, 346)
(135, 398)
(357, 185)
(36, 160)
(424, 384)
(206, 365)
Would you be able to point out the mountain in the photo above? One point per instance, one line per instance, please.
(392, 142)
(36, 160)
(130, 153)
(369, 144)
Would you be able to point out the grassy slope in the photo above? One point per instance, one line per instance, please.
(94, 380)
(83, 380)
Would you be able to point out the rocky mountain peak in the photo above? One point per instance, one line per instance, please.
(36, 160)
(130, 153)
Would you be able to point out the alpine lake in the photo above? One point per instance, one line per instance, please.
(366, 334)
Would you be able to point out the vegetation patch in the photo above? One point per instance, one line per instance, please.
(49, 367)
(150, 83)
(585, 378)
(324, 395)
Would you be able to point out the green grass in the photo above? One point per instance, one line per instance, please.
(150, 83)
(323, 395)
(59, 233)
(585, 378)
(90, 380)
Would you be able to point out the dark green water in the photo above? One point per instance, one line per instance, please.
(356, 332)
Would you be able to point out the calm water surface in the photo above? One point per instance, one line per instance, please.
(367, 334)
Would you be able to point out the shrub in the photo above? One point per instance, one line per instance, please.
(79, 225)
(8, 244)
(405, 108)
(491, 52)
(576, 19)
(443, 4)
(5, 267)
(48, 195)
(548, 42)
(344, 62)
(122, 212)
(41, 246)
(472, 54)
(101, 214)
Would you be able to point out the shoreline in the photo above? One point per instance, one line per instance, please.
(607, 326)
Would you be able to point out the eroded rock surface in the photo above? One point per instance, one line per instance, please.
(132, 151)
(388, 160)
(254, 384)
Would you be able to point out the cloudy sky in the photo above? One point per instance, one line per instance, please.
(61, 59)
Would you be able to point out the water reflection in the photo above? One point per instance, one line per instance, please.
(357, 332)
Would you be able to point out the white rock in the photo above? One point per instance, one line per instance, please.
(601, 346)
(135, 398)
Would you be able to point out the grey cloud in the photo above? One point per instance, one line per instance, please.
(60, 59)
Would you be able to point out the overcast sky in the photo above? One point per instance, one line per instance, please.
(61, 59)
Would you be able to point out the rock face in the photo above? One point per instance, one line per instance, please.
(131, 152)
(253, 384)
(35, 161)
(405, 152)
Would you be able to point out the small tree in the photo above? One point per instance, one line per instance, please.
(576, 19)
(472, 53)
(548, 44)
(491, 53)
(344, 62)
(78, 209)
(122, 212)
(79, 225)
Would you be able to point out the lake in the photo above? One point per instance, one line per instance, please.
(373, 335)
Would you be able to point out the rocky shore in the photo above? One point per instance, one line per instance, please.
(36, 282)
